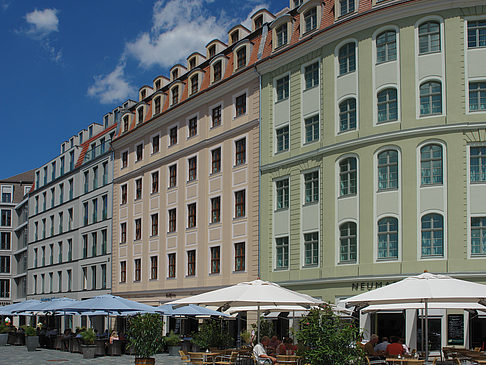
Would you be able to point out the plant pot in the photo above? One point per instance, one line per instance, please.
(88, 351)
(174, 350)
(3, 339)
(32, 342)
(147, 361)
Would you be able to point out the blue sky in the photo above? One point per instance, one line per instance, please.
(64, 64)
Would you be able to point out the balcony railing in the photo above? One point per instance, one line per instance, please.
(97, 151)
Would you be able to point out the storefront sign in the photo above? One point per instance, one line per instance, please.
(455, 329)
(369, 285)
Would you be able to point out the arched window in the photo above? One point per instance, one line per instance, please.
(388, 238)
(347, 176)
(348, 242)
(432, 235)
(431, 164)
(386, 46)
(282, 35)
(310, 20)
(217, 71)
(429, 37)
(175, 95)
(157, 105)
(347, 58)
(194, 84)
(387, 105)
(347, 115)
(388, 170)
(430, 98)
(241, 57)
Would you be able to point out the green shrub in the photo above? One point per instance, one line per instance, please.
(212, 333)
(266, 328)
(88, 336)
(29, 330)
(326, 339)
(145, 334)
(4, 328)
(172, 339)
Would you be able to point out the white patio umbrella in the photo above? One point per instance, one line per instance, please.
(49, 306)
(189, 310)
(109, 304)
(424, 288)
(256, 292)
(9, 309)
(430, 305)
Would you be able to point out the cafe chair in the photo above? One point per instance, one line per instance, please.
(184, 358)
(228, 360)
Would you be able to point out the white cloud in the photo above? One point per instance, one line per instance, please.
(42, 22)
(112, 87)
(4, 5)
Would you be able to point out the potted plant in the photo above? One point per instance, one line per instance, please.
(173, 342)
(31, 338)
(145, 338)
(245, 337)
(4, 330)
(88, 336)
(212, 334)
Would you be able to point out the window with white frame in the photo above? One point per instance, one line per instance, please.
(282, 136)
(216, 116)
(432, 235)
(388, 238)
(478, 236)
(311, 126)
(387, 105)
(311, 187)
(431, 164)
(139, 152)
(477, 96)
(477, 164)
(476, 33)
(175, 95)
(157, 104)
(282, 35)
(386, 46)
(217, 71)
(429, 37)
(388, 170)
(310, 20)
(7, 193)
(348, 176)
(348, 245)
(311, 75)
(241, 57)
(311, 249)
(194, 84)
(430, 98)
(282, 253)
(347, 115)
(282, 193)
(346, 7)
(282, 88)
(347, 58)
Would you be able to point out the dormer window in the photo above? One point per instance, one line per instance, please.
(157, 105)
(106, 121)
(282, 34)
(298, 3)
(212, 51)
(346, 6)
(140, 114)
(80, 137)
(217, 71)
(258, 21)
(235, 37)
(90, 129)
(310, 20)
(241, 57)
(194, 84)
(175, 95)
(125, 123)
(143, 93)
(157, 85)
(192, 63)
(175, 74)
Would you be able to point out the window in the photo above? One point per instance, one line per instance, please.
(71, 189)
(155, 144)
(6, 217)
(124, 194)
(430, 98)
(104, 236)
(240, 151)
(103, 276)
(175, 74)
(388, 238)
(215, 260)
(172, 265)
(258, 22)
(478, 236)
(241, 57)
(157, 105)
(5, 240)
(432, 235)
(240, 104)
(155, 182)
(173, 136)
(311, 75)
(429, 37)
(387, 105)
(347, 115)
(125, 123)
(5, 288)
(282, 35)
(310, 20)
(191, 263)
(69, 280)
(216, 160)
(431, 164)
(477, 96)
(6, 194)
(311, 126)
(192, 63)
(216, 116)
(94, 247)
(240, 204)
(139, 152)
(282, 139)
(175, 95)
(194, 84)
(140, 115)
(282, 192)
(217, 71)
(311, 187)
(212, 51)
(347, 58)
(235, 36)
(61, 193)
(216, 209)
(282, 86)
(476, 33)
(155, 224)
(192, 173)
(86, 182)
(240, 256)
(123, 232)
(388, 170)
(4, 264)
(62, 165)
(85, 247)
(94, 202)
(311, 249)
(138, 229)
(347, 242)
(478, 164)
(138, 270)
(191, 215)
(44, 200)
(153, 267)
(346, 6)
(192, 127)
(282, 252)
(386, 46)
(138, 189)
(123, 271)
(172, 220)
(124, 159)
(347, 176)
(70, 249)
(172, 176)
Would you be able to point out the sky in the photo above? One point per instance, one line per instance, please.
(64, 64)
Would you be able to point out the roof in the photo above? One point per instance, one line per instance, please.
(23, 177)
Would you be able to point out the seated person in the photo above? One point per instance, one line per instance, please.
(260, 353)
(113, 336)
(369, 347)
(381, 347)
(286, 347)
(395, 348)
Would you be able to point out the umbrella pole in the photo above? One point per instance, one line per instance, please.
(426, 331)
(258, 323)
(293, 326)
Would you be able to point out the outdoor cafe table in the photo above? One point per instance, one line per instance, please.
(403, 360)
(288, 359)
(206, 357)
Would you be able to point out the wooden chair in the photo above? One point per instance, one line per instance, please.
(374, 361)
(198, 358)
(227, 360)
(184, 358)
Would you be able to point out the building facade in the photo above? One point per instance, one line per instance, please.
(372, 151)
(12, 236)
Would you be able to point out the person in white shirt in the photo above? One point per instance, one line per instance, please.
(381, 347)
(260, 353)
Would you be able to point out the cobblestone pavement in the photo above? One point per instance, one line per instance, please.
(18, 355)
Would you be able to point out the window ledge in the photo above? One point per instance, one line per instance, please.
(282, 100)
(354, 195)
(281, 269)
(308, 204)
(281, 209)
(191, 182)
(310, 142)
(280, 152)
(214, 224)
(310, 88)
(346, 73)
(430, 52)
(236, 219)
